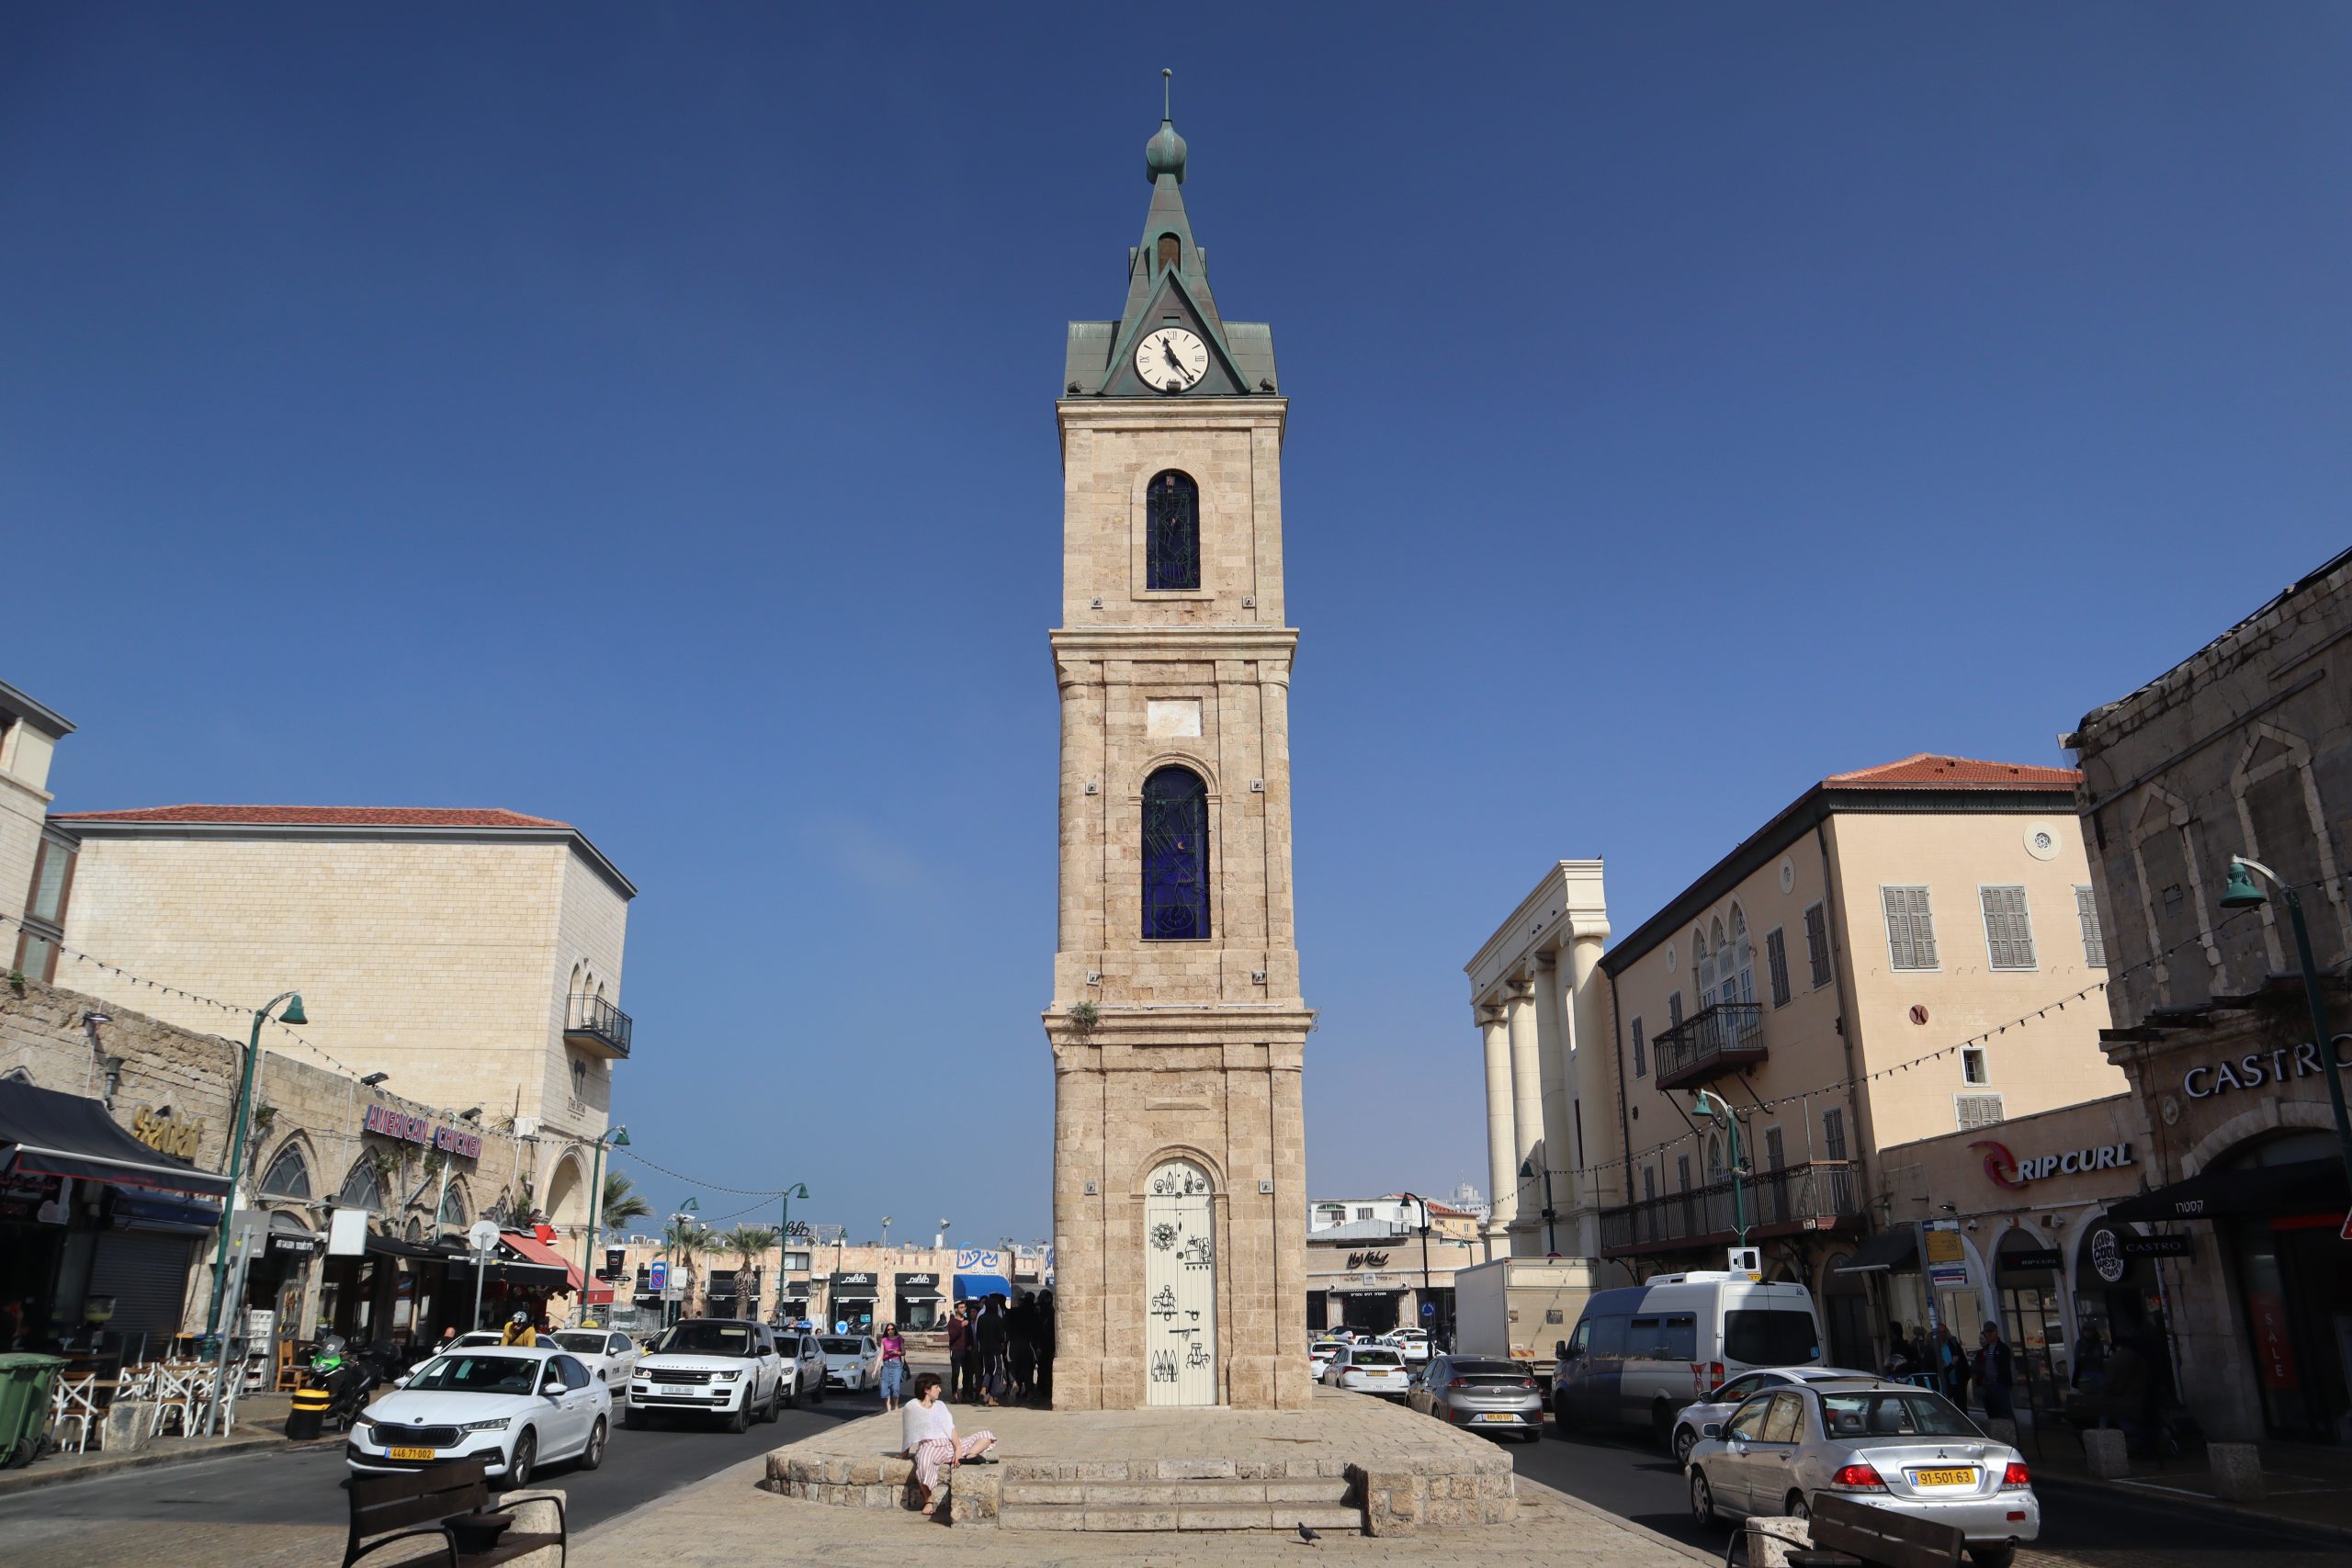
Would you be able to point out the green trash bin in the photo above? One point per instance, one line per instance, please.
(26, 1382)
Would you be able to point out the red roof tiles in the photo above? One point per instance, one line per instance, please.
(321, 816)
(1925, 770)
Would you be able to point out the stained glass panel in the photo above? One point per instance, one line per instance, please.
(1172, 534)
(1175, 856)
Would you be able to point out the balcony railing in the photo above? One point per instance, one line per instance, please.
(1818, 1196)
(1709, 1044)
(598, 1025)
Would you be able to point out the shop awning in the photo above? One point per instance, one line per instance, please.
(45, 1133)
(531, 1249)
(973, 1287)
(400, 1246)
(536, 1276)
(2261, 1192)
(599, 1294)
(1888, 1252)
(917, 1292)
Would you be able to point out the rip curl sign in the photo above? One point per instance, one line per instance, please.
(2005, 1170)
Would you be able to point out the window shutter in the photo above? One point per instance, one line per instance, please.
(1833, 1131)
(1641, 1060)
(1816, 944)
(1773, 1157)
(1776, 959)
(1682, 1172)
(1910, 928)
(2094, 939)
(2008, 930)
(1674, 1010)
(1977, 1109)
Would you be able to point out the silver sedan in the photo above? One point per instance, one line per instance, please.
(1485, 1393)
(1886, 1444)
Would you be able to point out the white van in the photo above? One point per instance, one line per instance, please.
(1640, 1354)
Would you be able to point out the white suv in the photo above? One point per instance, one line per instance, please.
(710, 1366)
(804, 1366)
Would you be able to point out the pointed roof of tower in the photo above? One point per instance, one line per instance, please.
(1168, 284)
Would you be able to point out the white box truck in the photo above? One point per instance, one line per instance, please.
(1520, 1307)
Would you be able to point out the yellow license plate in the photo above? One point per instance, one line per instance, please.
(410, 1453)
(1493, 1418)
(1945, 1477)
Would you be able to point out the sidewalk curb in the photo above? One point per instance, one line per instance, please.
(33, 1478)
(2309, 1530)
(1595, 1510)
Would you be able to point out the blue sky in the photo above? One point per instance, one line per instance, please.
(543, 406)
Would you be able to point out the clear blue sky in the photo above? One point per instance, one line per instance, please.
(642, 416)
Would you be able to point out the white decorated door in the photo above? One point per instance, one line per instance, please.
(1180, 1286)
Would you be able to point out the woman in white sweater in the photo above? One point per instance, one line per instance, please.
(928, 1426)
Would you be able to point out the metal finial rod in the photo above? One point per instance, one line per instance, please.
(1167, 92)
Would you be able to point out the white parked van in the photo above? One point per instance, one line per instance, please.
(1640, 1354)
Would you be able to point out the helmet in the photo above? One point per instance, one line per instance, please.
(519, 1319)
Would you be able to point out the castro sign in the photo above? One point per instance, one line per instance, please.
(2258, 1067)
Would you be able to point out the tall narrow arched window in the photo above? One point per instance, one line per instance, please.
(289, 1174)
(361, 1189)
(1172, 251)
(1175, 856)
(1172, 534)
(1739, 974)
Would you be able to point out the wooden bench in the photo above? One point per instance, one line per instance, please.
(1846, 1533)
(410, 1507)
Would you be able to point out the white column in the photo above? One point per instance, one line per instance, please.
(1527, 1112)
(1592, 1078)
(1503, 1139)
(1551, 1059)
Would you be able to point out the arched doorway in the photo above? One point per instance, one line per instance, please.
(1180, 1285)
(2294, 1279)
(2033, 1319)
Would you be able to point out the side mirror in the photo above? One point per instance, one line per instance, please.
(1711, 1429)
(401, 1382)
(1559, 1350)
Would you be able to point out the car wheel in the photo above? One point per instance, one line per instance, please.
(792, 1394)
(1703, 1501)
(525, 1461)
(1796, 1508)
(739, 1418)
(594, 1454)
(1685, 1439)
(632, 1417)
(1564, 1417)
(1991, 1556)
(817, 1394)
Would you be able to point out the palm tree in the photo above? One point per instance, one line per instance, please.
(623, 1201)
(747, 1242)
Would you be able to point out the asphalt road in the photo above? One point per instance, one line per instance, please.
(89, 1523)
(1634, 1478)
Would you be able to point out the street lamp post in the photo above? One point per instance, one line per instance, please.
(784, 1240)
(1426, 1297)
(618, 1139)
(689, 1212)
(1711, 1105)
(292, 1015)
(2240, 892)
(1550, 1237)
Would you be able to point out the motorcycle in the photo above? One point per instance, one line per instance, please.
(350, 1377)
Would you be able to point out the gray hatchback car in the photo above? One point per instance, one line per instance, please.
(1887, 1444)
(1482, 1392)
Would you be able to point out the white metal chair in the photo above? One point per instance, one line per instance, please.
(179, 1395)
(73, 1400)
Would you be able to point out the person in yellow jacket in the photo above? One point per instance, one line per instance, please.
(518, 1331)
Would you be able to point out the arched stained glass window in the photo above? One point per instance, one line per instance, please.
(289, 1174)
(1172, 534)
(1175, 856)
(453, 1207)
(361, 1189)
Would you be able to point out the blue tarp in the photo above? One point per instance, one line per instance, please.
(972, 1287)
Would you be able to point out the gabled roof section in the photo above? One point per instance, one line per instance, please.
(1926, 770)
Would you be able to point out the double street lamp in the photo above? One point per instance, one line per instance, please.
(292, 1015)
(2241, 892)
(784, 1240)
(1712, 1105)
(616, 1139)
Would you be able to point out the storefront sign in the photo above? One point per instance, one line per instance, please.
(2258, 1067)
(301, 1245)
(392, 1123)
(2005, 1170)
(2271, 1347)
(167, 1133)
(862, 1279)
(2029, 1262)
(907, 1281)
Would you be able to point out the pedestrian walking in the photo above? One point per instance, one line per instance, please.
(1954, 1357)
(989, 1338)
(928, 1429)
(1045, 1346)
(1898, 1352)
(1021, 1346)
(894, 1365)
(963, 1360)
(1996, 1374)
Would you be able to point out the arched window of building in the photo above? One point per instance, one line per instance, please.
(289, 1174)
(361, 1189)
(1171, 252)
(1737, 966)
(1172, 533)
(1175, 856)
(1702, 966)
(453, 1206)
(1714, 1158)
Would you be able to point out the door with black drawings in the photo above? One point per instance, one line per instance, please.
(1180, 1286)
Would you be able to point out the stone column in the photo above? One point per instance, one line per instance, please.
(1551, 1059)
(1593, 1077)
(1527, 1114)
(1503, 1139)
(1081, 936)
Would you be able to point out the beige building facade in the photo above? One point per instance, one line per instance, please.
(36, 861)
(1177, 1025)
(473, 956)
(1904, 952)
(1540, 1009)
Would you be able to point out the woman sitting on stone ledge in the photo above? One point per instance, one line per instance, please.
(929, 1427)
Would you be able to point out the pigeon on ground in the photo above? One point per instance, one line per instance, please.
(1306, 1535)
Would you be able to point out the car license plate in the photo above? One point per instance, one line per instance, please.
(411, 1453)
(1492, 1416)
(1944, 1477)
(676, 1388)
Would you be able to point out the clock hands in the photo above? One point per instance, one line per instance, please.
(1168, 349)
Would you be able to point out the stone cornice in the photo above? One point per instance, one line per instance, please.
(1184, 1023)
(1184, 644)
(349, 833)
(1170, 413)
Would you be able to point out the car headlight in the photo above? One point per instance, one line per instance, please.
(725, 1377)
(498, 1425)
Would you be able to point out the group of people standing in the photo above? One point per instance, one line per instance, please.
(1001, 1352)
(1942, 1356)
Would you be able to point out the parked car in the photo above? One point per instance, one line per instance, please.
(610, 1356)
(1718, 1403)
(1319, 1353)
(853, 1361)
(804, 1366)
(476, 1340)
(1413, 1342)
(725, 1367)
(1642, 1353)
(1887, 1444)
(517, 1407)
(1483, 1391)
(1368, 1368)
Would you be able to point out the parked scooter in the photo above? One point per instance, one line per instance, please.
(350, 1376)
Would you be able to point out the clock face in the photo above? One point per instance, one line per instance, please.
(1171, 360)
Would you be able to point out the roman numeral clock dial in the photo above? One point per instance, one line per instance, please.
(1171, 360)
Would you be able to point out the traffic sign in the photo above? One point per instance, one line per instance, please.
(1428, 1309)
(484, 1235)
(657, 1275)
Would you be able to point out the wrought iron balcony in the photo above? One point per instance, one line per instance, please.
(1711, 1042)
(1818, 1196)
(598, 1025)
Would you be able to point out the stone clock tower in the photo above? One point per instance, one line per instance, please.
(1178, 1031)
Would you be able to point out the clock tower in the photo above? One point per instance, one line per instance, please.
(1177, 1027)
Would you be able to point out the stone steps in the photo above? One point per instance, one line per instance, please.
(1208, 1504)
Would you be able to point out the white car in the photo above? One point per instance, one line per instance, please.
(725, 1367)
(1718, 1404)
(518, 1407)
(1369, 1368)
(1319, 1354)
(1413, 1342)
(853, 1361)
(804, 1366)
(610, 1356)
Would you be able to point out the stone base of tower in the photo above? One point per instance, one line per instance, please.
(1180, 1208)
